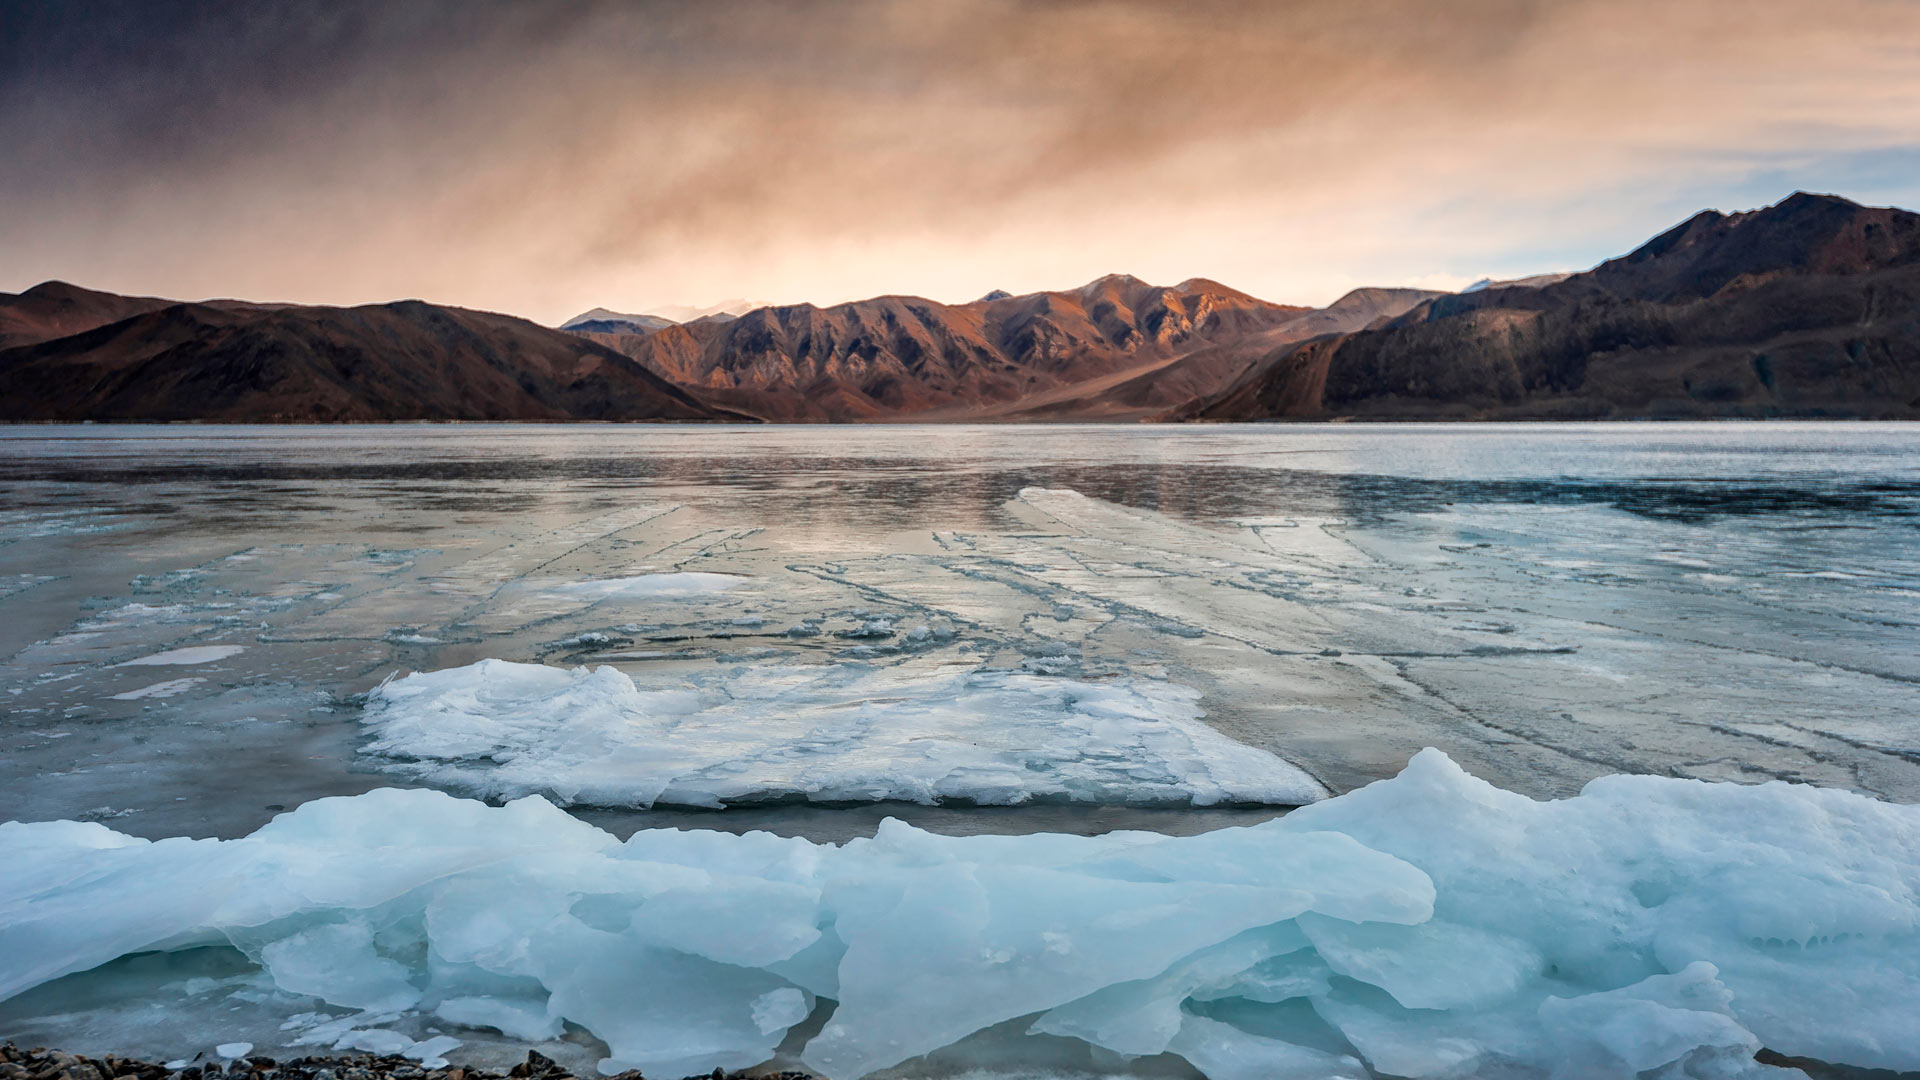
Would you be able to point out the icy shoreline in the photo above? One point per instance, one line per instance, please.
(1429, 925)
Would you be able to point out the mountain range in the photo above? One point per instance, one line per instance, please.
(1073, 353)
(1810, 307)
(68, 353)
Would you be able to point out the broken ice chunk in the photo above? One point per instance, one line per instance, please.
(527, 1020)
(337, 962)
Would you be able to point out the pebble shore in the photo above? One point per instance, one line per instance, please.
(43, 1064)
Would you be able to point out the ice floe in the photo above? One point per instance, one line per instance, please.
(1430, 925)
(828, 733)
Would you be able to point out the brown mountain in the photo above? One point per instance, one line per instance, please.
(55, 309)
(907, 357)
(72, 354)
(1807, 308)
(1145, 390)
(602, 321)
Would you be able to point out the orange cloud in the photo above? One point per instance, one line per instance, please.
(550, 158)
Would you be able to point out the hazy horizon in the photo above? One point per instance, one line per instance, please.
(551, 158)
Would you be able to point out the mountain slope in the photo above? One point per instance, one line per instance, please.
(1810, 307)
(902, 356)
(55, 309)
(602, 321)
(402, 361)
(1145, 390)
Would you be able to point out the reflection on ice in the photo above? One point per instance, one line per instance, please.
(199, 654)
(159, 690)
(652, 585)
(1429, 925)
(839, 733)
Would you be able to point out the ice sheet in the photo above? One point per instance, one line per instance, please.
(1546, 604)
(1430, 925)
(844, 732)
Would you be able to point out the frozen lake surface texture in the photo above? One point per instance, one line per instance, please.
(1016, 641)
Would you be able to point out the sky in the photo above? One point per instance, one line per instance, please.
(545, 158)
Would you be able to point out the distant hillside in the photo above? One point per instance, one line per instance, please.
(55, 309)
(79, 355)
(1141, 391)
(1050, 354)
(1807, 308)
(602, 321)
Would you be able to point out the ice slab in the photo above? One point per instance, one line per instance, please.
(829, 733)
(1430, 925)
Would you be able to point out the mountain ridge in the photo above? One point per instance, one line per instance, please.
(905, 357)
(1809, 307)
(406, 360)
(602, 321)
(56, 309)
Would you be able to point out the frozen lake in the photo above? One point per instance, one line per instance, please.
(991, 630)
(967, 616)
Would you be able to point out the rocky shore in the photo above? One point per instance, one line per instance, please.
(43, 1064)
